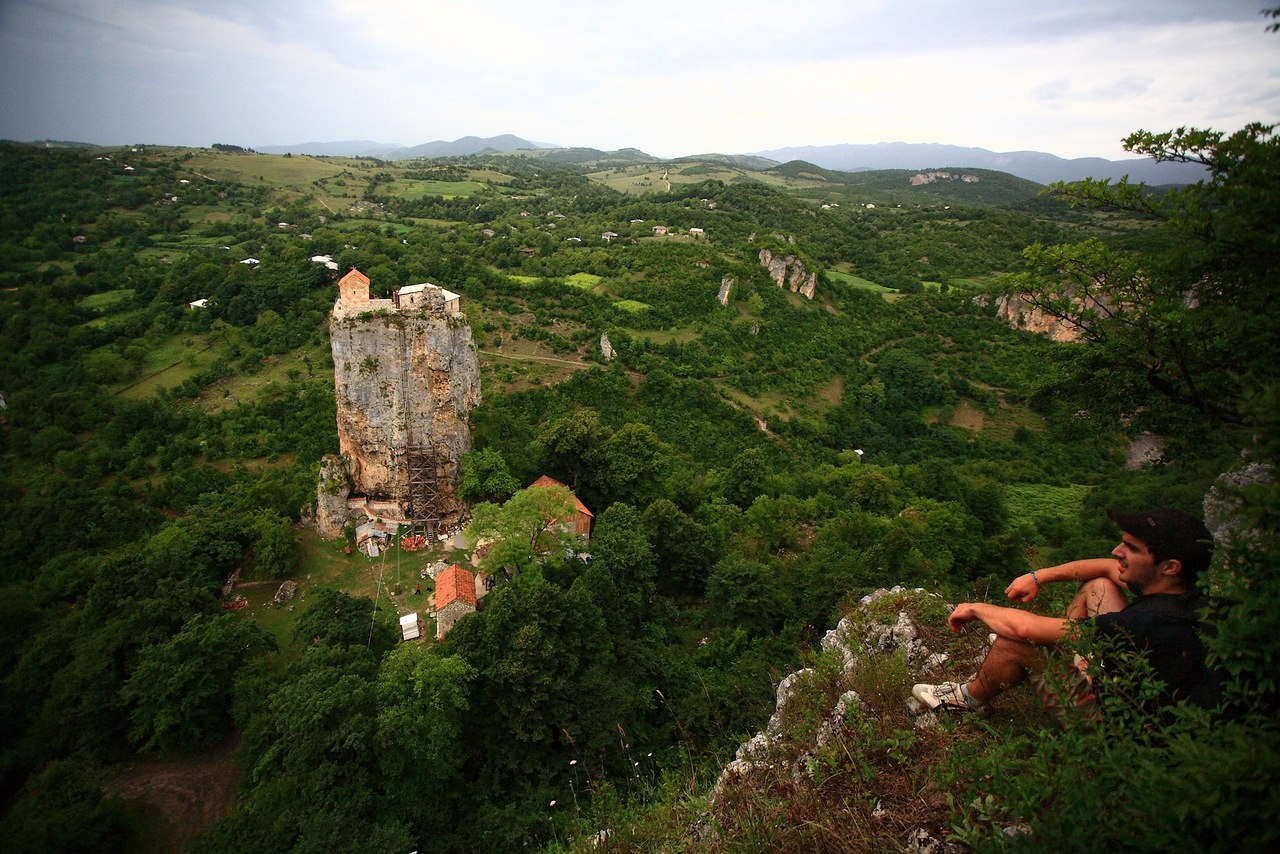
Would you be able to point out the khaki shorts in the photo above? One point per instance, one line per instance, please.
(1061, 687)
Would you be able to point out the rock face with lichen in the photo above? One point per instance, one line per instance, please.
(1018, 311)
(773, 752)
(789, 271)
(405, 379)
(330, 513)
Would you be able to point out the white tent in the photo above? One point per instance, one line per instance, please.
(409, 626)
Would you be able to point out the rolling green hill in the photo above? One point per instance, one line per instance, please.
(958, 185)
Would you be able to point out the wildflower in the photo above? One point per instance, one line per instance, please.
(553, 803)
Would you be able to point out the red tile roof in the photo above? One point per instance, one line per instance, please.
(546, 482)
(455, 583)
(356, 275)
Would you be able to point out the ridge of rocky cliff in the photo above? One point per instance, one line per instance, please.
(879, 628)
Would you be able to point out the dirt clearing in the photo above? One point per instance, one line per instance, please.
(178, 797)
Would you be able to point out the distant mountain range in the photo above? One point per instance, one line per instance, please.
(1035, 166)
(463, 147)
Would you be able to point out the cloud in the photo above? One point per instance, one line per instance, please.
(663, 76)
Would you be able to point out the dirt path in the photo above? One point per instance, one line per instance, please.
(532, 358)
(635, 376)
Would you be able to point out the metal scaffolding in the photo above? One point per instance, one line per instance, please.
(422, 463)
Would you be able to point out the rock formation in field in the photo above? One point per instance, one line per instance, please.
(725, 285)
(406, 378)
(1018, 311)
(789, 271)
(921, 178)
(330, 515)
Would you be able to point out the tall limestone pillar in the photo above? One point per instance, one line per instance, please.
(405, 382)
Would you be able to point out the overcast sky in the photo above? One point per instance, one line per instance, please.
(1071, 77)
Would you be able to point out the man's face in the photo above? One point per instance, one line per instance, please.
(1138, 568)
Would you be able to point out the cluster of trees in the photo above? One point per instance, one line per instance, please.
(721, 549)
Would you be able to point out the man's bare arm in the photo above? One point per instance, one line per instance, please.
(1009, 622)
(1024, 588)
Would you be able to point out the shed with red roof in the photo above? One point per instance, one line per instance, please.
(582, 517)
(455, 597)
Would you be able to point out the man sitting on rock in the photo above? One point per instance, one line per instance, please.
(1158, 559)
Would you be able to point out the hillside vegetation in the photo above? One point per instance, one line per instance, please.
(755, 468)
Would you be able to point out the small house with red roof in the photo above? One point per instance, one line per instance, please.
(455, 597)
(580, 524)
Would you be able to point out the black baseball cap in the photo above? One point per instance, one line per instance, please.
(1170, 534)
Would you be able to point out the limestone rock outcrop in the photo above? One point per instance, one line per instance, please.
(331, 497)
(1223, 505)
(1144, 449)
(921, 178)
(1017, 310)
(789, 271)
(853, 640)
(725, 284)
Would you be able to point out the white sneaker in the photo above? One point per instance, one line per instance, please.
(946, 697)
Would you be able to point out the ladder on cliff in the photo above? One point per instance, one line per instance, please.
(422, 463)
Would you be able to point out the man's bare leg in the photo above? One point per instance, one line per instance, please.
(1097, 596)
(1010, 661)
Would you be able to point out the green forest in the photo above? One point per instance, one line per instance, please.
(755, 466)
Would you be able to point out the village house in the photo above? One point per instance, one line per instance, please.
(455, 597)
(422, 295)
(580, 524)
